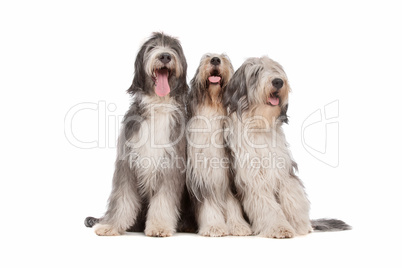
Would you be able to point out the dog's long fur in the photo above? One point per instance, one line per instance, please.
(218, 212)
(150, 198)
(273, 197)
(149, 177)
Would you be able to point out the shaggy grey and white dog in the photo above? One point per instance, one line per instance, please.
(149, 177)
(218, 212)
(272, 196)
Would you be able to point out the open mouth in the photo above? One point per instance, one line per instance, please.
(273, 99)
(161, 78)
(215, 77)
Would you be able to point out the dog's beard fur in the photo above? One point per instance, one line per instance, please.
(272, 196)
(153, 129)
(218, 212)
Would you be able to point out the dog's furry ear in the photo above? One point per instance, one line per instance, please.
(235, 96)
(139, 72)
(283, 116)
(195, 97)
(180, 89)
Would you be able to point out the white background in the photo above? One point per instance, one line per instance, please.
(55, 55)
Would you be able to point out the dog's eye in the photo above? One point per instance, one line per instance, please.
(150, 48)
(176, 50)
(257, 72)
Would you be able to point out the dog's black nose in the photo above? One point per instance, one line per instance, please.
(277, 83)
(215, 61)
(165, 57)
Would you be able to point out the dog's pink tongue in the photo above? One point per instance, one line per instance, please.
(162, 84)
(274, 101)
(214, 79)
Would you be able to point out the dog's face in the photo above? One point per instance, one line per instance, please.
(260, 83)
(214, 70)
(210, 79)
(160, 66)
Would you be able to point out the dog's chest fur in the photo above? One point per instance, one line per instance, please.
(206, 132)
(208, 164)
(261, 153)
(154, 152)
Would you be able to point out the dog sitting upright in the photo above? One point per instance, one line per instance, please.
(218, 212)
(272, 195)
(149, 177)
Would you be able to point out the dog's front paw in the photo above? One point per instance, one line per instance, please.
(239, 229)
(105, 230)
(213, 231)
(157, 230)
(279, 232)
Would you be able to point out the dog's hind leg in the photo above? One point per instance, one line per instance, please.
(295, 205)
(265, 214)
(124, 203)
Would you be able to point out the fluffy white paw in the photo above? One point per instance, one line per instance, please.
(213, 231)
(279, 232)
(105, 230)
(156, 230)
(239, 229)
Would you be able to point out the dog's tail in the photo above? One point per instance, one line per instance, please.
(329, 225)
(91, 221)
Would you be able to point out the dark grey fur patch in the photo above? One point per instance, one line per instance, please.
(235, 95)
(187, 222)
(90, 221)
(329, 225)
(283, 117)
